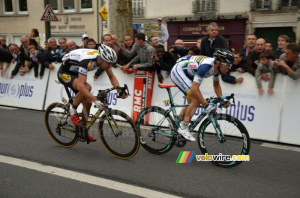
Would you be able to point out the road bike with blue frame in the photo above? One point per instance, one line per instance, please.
(218, 133)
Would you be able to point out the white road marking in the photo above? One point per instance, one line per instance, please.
(290, 148)
(118, 186)
(7, 108)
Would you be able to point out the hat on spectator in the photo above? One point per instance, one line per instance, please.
(159, 19)
(85, 36)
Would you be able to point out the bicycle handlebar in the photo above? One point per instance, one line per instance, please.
(102, 94)
(222, 100)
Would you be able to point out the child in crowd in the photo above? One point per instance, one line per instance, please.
(36, 36)
(15, 50)
(5, 56)
(264, 66)
(36, 57)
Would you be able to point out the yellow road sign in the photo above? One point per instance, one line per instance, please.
(103, 13)
(152, 27)
(156, 34)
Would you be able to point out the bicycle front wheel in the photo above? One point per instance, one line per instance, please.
(59, 126)
(118, 134)
(236, 140)
(155, 127)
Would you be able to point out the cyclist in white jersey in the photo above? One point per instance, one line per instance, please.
(188, 73)
(73, 73)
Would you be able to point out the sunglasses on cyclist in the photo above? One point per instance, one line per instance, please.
(226, 64)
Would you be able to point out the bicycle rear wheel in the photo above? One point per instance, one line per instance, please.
(155, 127)
(127, 143)
(59, 126)
(236, 142)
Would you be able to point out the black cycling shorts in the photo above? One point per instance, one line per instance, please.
(67, 78)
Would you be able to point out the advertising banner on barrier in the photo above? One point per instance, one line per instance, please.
(57, 91)
(23, 91)
(143, 89)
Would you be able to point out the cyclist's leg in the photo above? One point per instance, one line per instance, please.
(191, 109)
(86, 103)
(183, 83)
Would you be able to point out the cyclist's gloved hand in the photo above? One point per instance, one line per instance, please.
(98, 104)
(209, 108)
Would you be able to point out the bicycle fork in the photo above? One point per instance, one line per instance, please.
(112, 123)
(217, 128)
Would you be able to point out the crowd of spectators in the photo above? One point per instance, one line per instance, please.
(141, 53)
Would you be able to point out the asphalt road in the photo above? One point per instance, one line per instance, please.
(271, 172)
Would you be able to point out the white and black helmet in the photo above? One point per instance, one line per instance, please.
(224, 56)
(107, 54)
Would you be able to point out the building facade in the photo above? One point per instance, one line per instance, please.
(265, 18)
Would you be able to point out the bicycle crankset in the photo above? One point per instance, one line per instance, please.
(180, 141)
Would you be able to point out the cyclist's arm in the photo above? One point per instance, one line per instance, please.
(114, 81)
(217, 88)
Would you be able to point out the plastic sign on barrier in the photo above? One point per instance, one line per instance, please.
(143, 89)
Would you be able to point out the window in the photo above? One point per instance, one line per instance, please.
(22, 5)
(69, 5)
(8, 6)
(138, 8)
(263, 4)
(289, 3)
(53, 4)
(86, 4)
(206, 5)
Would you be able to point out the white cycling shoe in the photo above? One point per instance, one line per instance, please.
(186, 134)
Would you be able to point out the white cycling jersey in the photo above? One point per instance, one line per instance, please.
(192, 68)
(80, 61)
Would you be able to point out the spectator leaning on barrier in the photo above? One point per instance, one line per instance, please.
(289, 62)
(250, 45)
(238, 65)
(198, 44)
(250, 66)
(36, 36)
(53, 51)
(63, 47)
(115, 40)
(3, 43)
(127, 44)
(72, 45)
(269, 47)
(15, 50)
(178, 50)
(5, 56)
(282, 42)
(85, 38)
(164, 32)
(144, 54)
(265, 65)
(194, 51)
(92, 44)
(107, 40)
(37, 57)
(212, 41)
(163, 61)
(24, 55)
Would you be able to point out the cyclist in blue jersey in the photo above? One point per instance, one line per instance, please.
(73, 74)
(188, 73)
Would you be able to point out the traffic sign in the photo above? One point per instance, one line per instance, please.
(149, 33)
(152, 27)
(103, 13)
(49, 14)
